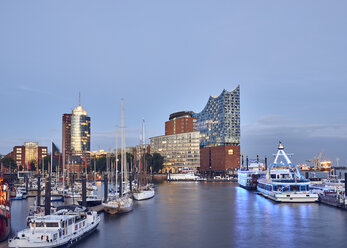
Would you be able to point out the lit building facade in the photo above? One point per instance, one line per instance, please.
(66, 136)
(30, 152)
(219, 121)
(219, 126)
(80, 132)
(181, 152)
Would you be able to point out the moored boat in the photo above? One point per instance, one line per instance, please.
(248, 178)
(61, 229)
(144, 193)
(284, 182)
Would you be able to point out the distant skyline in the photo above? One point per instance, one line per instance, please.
(289, 58)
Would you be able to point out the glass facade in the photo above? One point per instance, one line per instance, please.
(31, 152)
(219, 121)
(80, 131)
(180, 151)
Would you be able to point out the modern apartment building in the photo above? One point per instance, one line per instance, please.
(181, 151)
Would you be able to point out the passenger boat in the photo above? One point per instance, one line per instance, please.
(63, 228)
(248, 179)
(284, 182)
(5, 210)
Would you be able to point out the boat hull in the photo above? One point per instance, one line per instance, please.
(289, 197)
(91, 203)
(5, 227)
(64, 243)
(110, 209)
(144, 195)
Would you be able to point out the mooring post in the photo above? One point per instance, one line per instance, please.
(38, 198)
(84, 191)
(105, 187)
(48, 196)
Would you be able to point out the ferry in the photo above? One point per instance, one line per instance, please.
(248, 179)
(284, 182)
(63, 228)
(189, 176)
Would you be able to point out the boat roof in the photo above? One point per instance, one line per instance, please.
(53, 218)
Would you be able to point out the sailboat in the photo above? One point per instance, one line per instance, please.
(143, 191)
(121, 203)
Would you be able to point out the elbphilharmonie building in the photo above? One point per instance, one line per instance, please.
(219, 126)
(219, 121)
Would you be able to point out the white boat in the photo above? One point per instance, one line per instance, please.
(124, 203)
(143, 190)
(189, 176)
(61, 229)
(19, 195)
(248, 179)
(119, 205)
(284, 182)
(144, 193)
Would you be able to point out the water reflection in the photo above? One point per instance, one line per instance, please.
(212, 215)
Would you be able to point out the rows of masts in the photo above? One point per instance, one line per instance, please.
(112, 167)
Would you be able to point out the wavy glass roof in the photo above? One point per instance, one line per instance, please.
(219, 121)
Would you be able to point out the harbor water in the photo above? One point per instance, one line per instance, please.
(188, 214)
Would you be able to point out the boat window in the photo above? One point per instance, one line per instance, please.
(40, 224)
(52, 224)
(76, 227)
(55, 236)
(293, 188)
(285, 189)
(275, 188)
(70, 221)
(273, 176)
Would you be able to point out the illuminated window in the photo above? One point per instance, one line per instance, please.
(230, 152)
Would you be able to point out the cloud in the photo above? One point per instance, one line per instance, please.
(305, 140)
(31, 90)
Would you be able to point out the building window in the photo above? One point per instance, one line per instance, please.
(230, 152)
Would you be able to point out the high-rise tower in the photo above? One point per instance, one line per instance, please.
(80, 132)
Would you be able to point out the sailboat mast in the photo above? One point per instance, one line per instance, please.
(116, 159)
(123, 167)
(144, 153)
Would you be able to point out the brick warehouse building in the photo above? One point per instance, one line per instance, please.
(180, 122)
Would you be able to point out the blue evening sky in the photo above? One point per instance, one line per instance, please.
(289, 57)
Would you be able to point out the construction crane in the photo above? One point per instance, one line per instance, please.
(316, 161)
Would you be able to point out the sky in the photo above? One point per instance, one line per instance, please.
(289, 58)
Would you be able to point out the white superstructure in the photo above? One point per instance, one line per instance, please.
(60, 229)
(284, 182)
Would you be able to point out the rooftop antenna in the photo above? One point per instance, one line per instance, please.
(79, 98)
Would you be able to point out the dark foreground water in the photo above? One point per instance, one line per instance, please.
(213, 215)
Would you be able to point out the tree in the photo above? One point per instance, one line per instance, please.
(157, 162)
(32, 166)
(8, 162)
